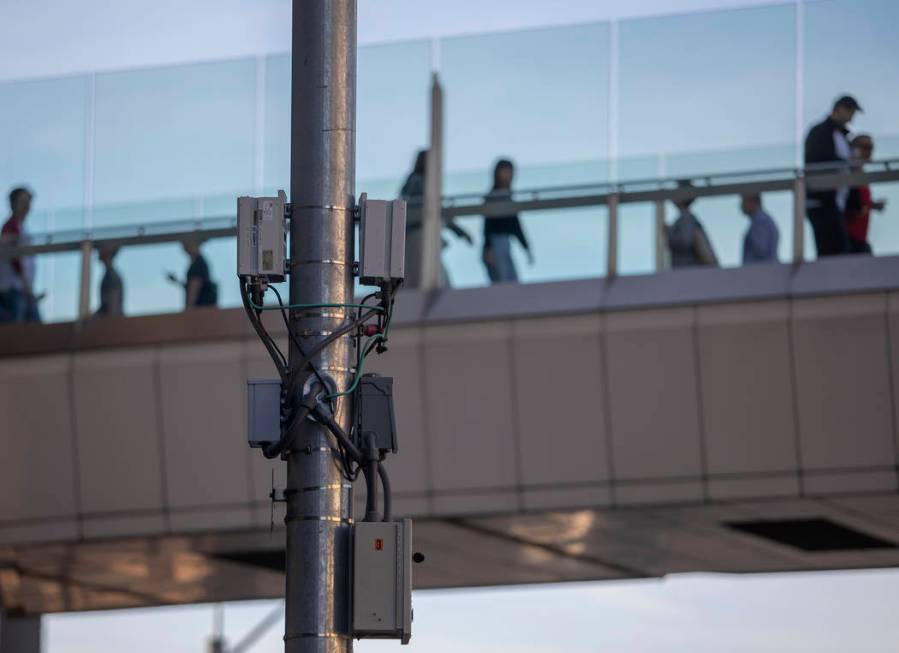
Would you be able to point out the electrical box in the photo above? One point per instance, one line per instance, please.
(374, 412)
(382, 240)
(261, 236)
(382, 580)
(263, 412)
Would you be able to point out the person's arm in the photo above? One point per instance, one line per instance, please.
(453, 226)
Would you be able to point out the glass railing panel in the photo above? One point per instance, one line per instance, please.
(58, 279)
(174, 132)
(537, 97)
(392, 115)
(695, 81)
(566, 244)
(42, 143)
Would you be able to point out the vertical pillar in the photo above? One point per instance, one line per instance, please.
(612, 244)
(322, 195)
(432, 210)
(661, 239)
(799, 218)
(84, 290)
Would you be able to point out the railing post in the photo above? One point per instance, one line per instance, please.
(84, 292)
(661, 243)
(799, 218)
(431, 276)
(612, 256)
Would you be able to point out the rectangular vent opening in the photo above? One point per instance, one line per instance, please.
(271, 560)
(813, 535)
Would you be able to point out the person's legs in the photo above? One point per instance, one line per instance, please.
(502, 269)
(830, 230)
(859, 247)
(31, 313)
(18, 305)
(7, 309)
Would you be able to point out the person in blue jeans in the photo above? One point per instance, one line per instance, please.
(499, 230)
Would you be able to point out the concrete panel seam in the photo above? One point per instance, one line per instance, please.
(794, 393)
(76, 460)
(606, 406)
(160, 437)
(515, 416)
(700, 406)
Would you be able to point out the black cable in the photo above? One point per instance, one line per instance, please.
(385, 484)
(270, 346)
(328, 420)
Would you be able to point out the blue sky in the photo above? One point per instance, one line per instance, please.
(696, 613)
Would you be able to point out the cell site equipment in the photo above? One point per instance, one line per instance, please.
(381, 547)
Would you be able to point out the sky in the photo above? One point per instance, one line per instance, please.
(697, 613)
(822, 612)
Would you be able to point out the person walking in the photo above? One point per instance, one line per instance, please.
(500, 230)
(687, 241)
(827, 142)
(18, 301)
(199, 289)
(112, 298)
(762, 236)
(860, 202)
(413, 192)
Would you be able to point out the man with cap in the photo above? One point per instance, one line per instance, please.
(827, 142)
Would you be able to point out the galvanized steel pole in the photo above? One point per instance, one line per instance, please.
(322, 195)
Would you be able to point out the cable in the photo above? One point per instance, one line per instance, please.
(270, 346)
(360, 364)
(385, 483)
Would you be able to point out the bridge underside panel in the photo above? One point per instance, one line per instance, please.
(546, 547)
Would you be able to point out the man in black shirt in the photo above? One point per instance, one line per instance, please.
(111, 289)
(199, 289)
(827, 143)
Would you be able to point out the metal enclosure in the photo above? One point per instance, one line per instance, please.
(263, 412)
(382, 580)
(261, 236)
(374, 412)
(382, 246)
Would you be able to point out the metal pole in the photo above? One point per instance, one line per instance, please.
(322, 194)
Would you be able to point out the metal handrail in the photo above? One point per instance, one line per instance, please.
(820, 177)
(826, 176)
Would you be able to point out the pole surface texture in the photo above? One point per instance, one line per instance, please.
(322, 195)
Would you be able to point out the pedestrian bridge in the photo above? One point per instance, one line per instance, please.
(718, 420)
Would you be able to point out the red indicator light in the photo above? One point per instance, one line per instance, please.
(379, 544)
